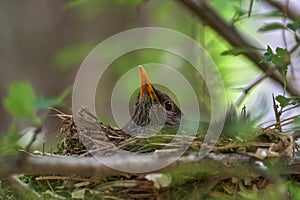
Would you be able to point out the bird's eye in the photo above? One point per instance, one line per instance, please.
(168, 105)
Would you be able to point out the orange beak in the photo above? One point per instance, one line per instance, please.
(146, 85)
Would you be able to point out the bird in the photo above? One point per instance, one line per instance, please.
(153, 111)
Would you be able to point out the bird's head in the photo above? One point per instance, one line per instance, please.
(153, 108)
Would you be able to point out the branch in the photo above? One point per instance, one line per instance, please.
(248, 88)
(229, 32)
(289, 13)
(90, 166)
(223, 164)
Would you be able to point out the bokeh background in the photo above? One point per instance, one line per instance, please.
(44, 42)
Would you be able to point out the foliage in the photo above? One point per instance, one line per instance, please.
(281, 59)
(271, 26)
(238, 51)
(288, 103)
(22, 103)
(75, 3)
(69, 56)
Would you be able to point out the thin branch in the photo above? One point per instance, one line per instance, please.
(250, 8)
(249, 144)
(284, 36)
(294, 48)
(54, 177)
(277, 115)
(289, 13)
(235, 38)
(249, 87)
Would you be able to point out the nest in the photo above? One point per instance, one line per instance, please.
(265, 144)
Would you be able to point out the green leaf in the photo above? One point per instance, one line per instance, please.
(269, 14)
(282, 58)
(133, 2)
(296, 123)
(268, 56)
(295, 25)
(20, 100)
(271, 27)
(283, 101)
(238, 13)
(71, 55)
(74, 3)
(44, 103)
(9, 140)
(238, 51)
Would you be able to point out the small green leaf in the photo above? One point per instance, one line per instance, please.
(281, 59)
(268, 56)
(71, 55)
(74, 3)
(295, 25)
(44, 103)
(283, 101)
(133, 2)
(271, 27)
(296, 123)
(239, 13)
(238, 51)
(284, 55)
(9, 140)
(20, 100)
(270, 14)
